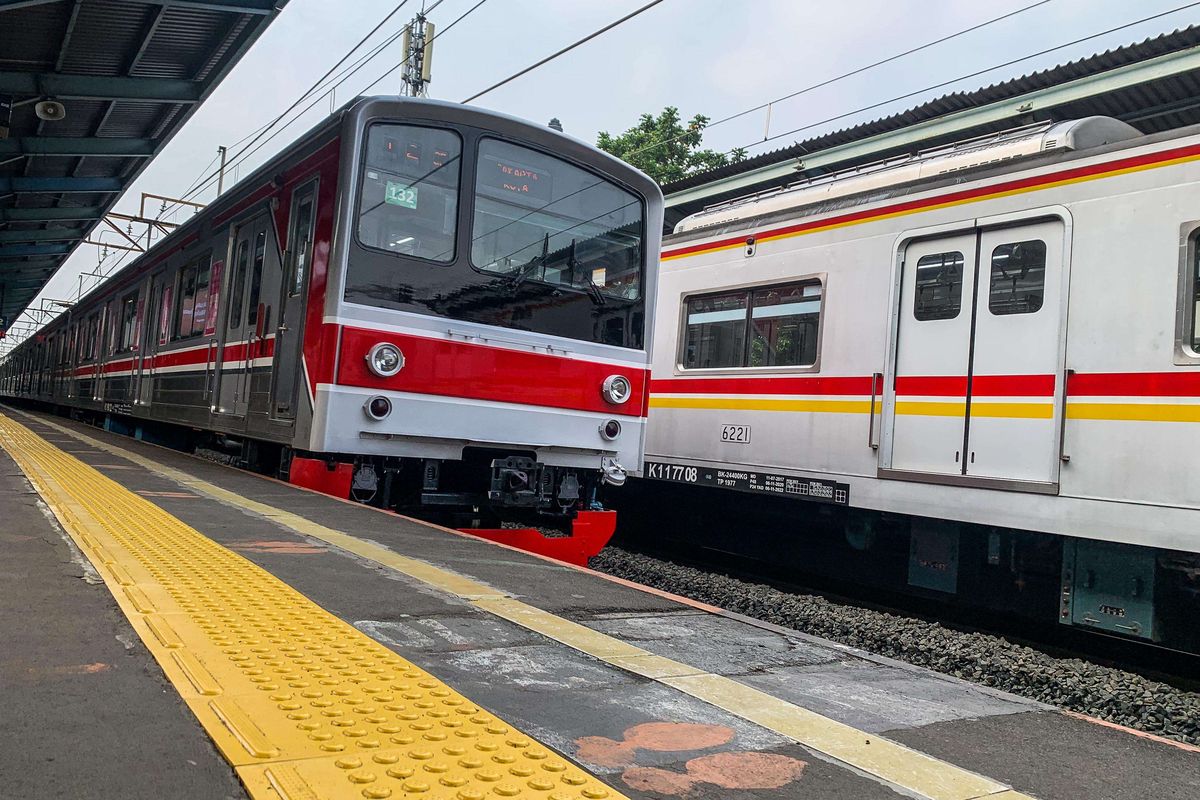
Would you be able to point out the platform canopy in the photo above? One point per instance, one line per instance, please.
(126, 76)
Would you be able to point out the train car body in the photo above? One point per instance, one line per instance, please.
(989, 352)
(413, 295)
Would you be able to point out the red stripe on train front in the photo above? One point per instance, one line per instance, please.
(481, 372)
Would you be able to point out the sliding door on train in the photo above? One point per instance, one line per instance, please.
(293, 285)
(233, 363)
(976, 390)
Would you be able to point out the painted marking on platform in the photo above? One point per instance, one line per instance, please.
(884, 759)
(300, 702)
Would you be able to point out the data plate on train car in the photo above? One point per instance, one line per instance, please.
(752, 481)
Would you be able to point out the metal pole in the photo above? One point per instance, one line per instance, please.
(221, 171)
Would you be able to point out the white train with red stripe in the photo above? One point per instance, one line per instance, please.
(417, 304)
(983, 362)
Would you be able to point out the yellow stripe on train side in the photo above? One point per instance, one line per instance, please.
(762, 404)
(1147, 412)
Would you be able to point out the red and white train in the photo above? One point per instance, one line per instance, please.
(417, 304)
(982, 362)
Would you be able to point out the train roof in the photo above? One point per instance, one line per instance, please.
(1000, 150)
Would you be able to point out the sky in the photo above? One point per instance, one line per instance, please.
(711, 57)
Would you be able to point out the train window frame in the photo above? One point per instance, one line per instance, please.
(1187, 306)
(820, 279)
(471, 217)
(201, 265)
(917, 309)
(1008, 307)
(295, 278)
(127, 321)
(258, 262)
(459, 205)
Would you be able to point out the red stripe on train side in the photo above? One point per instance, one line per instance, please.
(981, 386)
(965, 195)
(480, 372)
(1135, 384)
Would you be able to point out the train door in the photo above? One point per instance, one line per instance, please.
(149, 317)
(262, 315)
(286, 367)
(932, 355)
(1012, 422)
(231, 364)
(975, 391)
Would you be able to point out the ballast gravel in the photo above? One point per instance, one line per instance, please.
(1068, 683)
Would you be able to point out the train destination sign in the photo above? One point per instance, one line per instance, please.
(506, 177)
(752, 481)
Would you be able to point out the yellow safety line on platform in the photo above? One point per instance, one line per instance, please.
(888, 761)
(302, 704)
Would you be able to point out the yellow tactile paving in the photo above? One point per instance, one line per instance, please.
(301, 703)
(916, 773)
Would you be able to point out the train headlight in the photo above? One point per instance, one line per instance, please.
(377, 407)
(610, 430)
(385, 359)
(616, 389)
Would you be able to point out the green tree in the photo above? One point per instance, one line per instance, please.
(666, 148)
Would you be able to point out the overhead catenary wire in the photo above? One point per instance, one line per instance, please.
(975, 74)
(319, 88)
(564, 50)
(341, 78)
(856, 71)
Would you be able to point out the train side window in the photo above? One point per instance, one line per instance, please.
(716, 331)
(260, 254)
(1193, 299)
(185, 302)
(241, 261)
(784, 322)
(769, 326)
(300, 246)
(128, 321)
(939, 286)
(1018, 283)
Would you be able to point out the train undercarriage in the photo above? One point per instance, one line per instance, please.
(1143, 595)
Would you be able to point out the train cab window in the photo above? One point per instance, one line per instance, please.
(408, 203)
(1018, 282)
(127, 323)
(771, 326)
(540, 219)
(939, 286)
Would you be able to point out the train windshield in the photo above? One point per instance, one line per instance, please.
(538, 218)
(409, 197)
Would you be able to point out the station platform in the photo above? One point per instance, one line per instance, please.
(174, 628)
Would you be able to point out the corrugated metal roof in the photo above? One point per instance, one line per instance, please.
(129, 74)
(1159, 105)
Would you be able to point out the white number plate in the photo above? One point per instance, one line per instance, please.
(735, 433)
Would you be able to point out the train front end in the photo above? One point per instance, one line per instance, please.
(488, 313)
